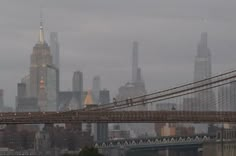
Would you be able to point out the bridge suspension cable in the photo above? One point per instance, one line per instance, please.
(190, 88)
(107, 113)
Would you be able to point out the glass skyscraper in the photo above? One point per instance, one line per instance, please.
(55, 49)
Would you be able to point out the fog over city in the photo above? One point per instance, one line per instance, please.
(96, 37)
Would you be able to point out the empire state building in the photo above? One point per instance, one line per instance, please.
(206, 98)
(40, 60)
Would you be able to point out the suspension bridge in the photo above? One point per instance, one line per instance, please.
(196, 102)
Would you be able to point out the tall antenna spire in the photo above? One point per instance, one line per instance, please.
(204, 24)
(41, 31)
(135, 62)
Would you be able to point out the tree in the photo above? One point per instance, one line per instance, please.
(67, 154)
(89, 151)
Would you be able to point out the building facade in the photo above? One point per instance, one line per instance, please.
(44, 75)
(40, 58)
(135, 62)
(68, 100)
(133, 89)
(55, 49)
(52, 89)
(26, 80)
(227, 97)
(77, 82)
(102, 128)
(1, 99)
(96, 88)
(203, 70)
(25, 103)
(55, 52)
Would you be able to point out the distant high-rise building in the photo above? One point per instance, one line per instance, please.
(69, 100)
(227, 100)
(233, 95)
(55, 52)
(42, 97)
(202, 60)
(21, 90)
(133, 89)
(43, 70)
(89, 103)
(137, 79)
(26, 80)
(55, 49)
(104, 96)
(137, 86)
(77, 82)
(99, 130)
(24, 103)
(135, 62)
(27, 104)
(40, 58)
(96, 88)
(1, 99)
(204, 100)
(52, 88)
(224, 99)
(202, 70)
(227, 97)
(102, 128)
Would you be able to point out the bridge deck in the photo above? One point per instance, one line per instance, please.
(117, 117)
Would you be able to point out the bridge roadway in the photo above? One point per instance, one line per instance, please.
(117, 117)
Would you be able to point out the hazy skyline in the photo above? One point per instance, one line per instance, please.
(96, 38)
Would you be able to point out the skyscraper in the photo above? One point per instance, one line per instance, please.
(204, 100)
(23, 102)
(202, 70)
(102, 128)
(42, 97)
(224, 100)
(55, 52)
(26, 81)
(55, 49)
(1, 99)
(137, 86)
(21, 90)
(227, 97)
(77, 82)
(52, 89)
(89, 103)
(44, 76)
(202, 60)
(133, 89)
(96, 88)
(135, 62)
(77, 90)
(40, 58)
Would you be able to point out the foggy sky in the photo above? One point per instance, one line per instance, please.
(96, 37)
